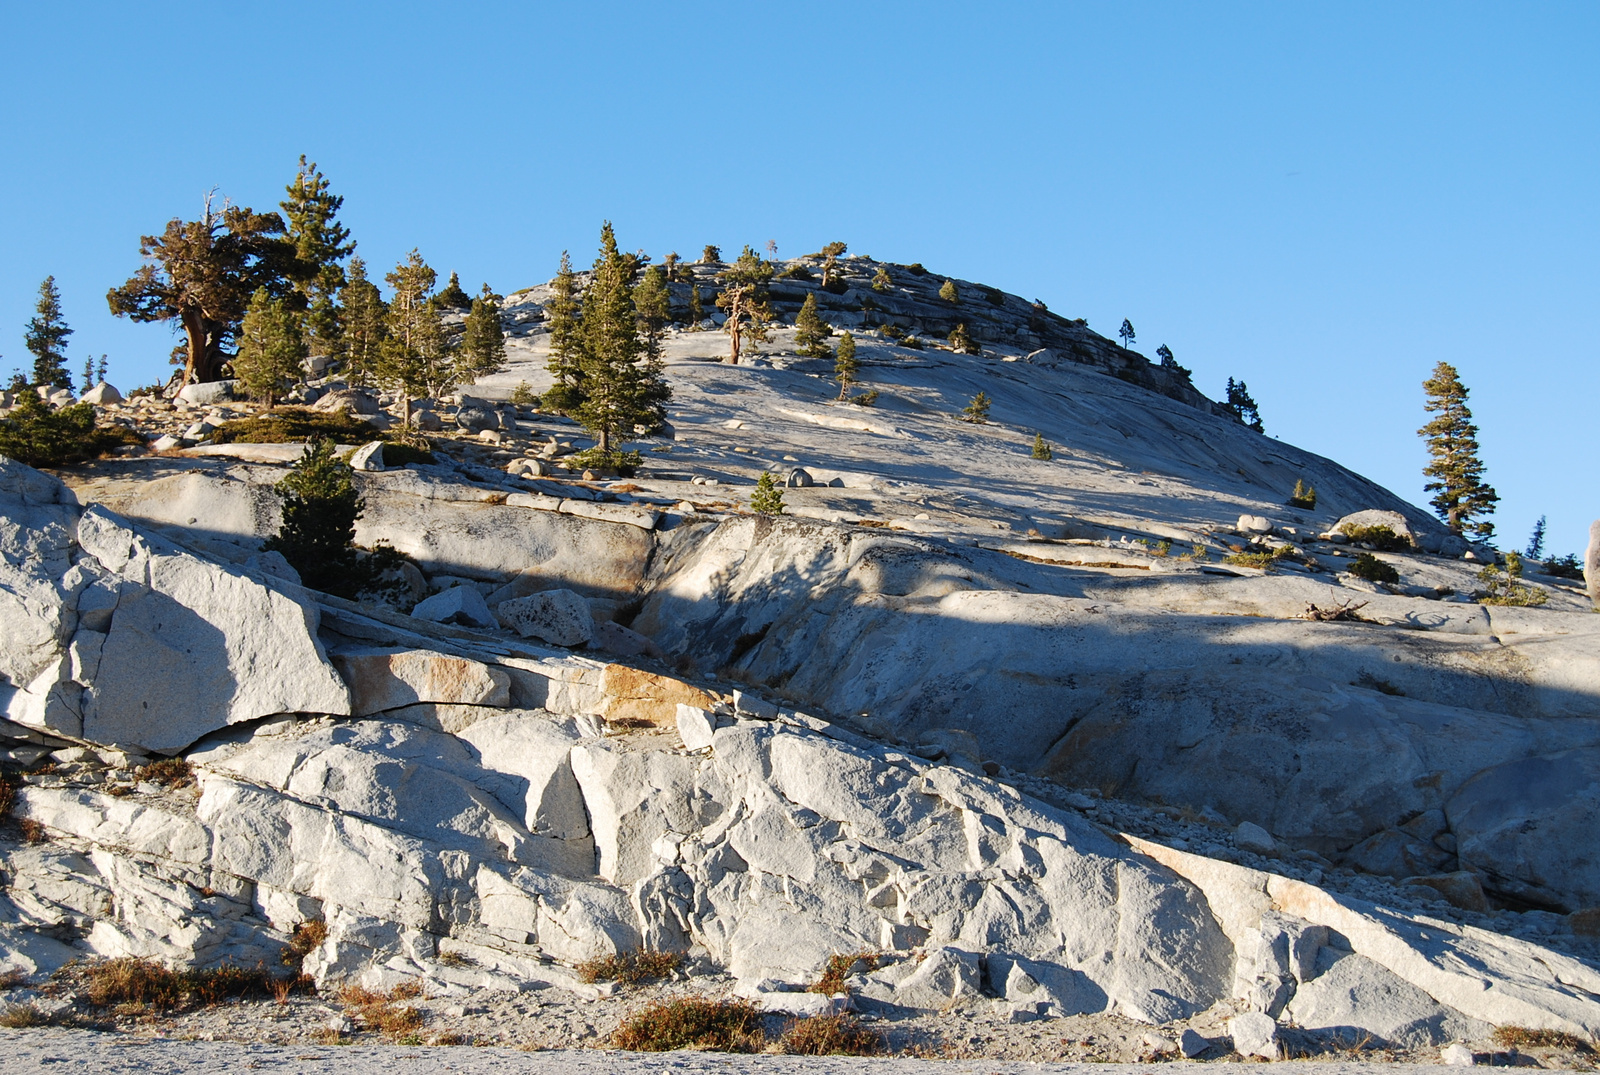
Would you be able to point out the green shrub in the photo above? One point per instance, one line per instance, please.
(288, 425)
(797, 271)
(630, 968)
(880, 280)
(397, 453)
(978, 410)
(626, 464)
(725, 1026)
(1304, 496)
(948, 292)
(916, 269)
(912, 343)
(40, 436)
(869, 398)
(1041, 449)
(830, 1035)
(1381, 538)
(566, 398)
(1564, 567)
(1369, 567)
(1503, 588)
(1163, 548)
(523, 395)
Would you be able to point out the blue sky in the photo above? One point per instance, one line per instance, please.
(1323, 200)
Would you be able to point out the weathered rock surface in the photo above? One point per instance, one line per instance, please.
(462, 605)
(559, 617)
(1591, 563)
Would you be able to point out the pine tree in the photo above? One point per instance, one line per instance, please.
(483, 338)
(566, 342)
(1536, 541)
(1041, 449)
(201, 274)
(844, 363)
(1243, 407)
(767, 498)
(320, 509)
(1462, 496)
(1126, 332)
(88, 374)
(100, 369)
(961, 340)
(947, 291)
(320, 243)
(744, 295)
(452, 297)
(414, 360)
(1303, 496)
(830, 265)
(1164, 353)
(880, 279)
(47, 339)
(622, 386)
(271, 348)
(978, 410)
(654, 305)
(711, 255)
(811, 332)
(366, 324)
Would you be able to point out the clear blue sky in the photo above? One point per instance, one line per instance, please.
(1322, 199)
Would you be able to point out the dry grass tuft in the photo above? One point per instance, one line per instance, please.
(381, 1013)
(838, 968)
(169, 773)
(1528, 1038)
(143, 982)
(830, 1035)
(629, 968)
(8, 795)
(22, 1016)
(725, 1026)
(15, 978)
(32, 831)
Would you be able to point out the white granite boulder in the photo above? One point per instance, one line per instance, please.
(559, 617)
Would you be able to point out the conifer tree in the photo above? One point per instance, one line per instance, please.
(1243, 407)
(711, 255)
(320, 243)
(697, 311)
(100, 369)
(47, 338)
(483, 339)
(830, 265)
(271, 348)
(947, 291)
(622, 387)
(844, 363)
(1536, 541)
(978, 410)
(653, 303)
(744, 296)
(366, 324)
(320, 509)
(452, 297)
(1462, 498)
(1041, 448)
(88, 374)
(880, 279)
(1126, 332)
(414, 360)
(811, 332)
(1303, 495)
(1164, 353)
(566, 344)
(767, 498)
(961, 340)
(201, 274)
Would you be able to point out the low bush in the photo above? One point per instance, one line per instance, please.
(1381, 538)
(168, 772)
(398, 453)
(22, 1016)
(726, 1026)
(626, 464)
(916, 269)
(1522, 1037)
(382, 1012)
(36, 434)
(629, 968)
(523, 395)
(796, 271)
(1369, 567)
(306, 938)
(1504, 588)
(288, 425)
(142, 981)
(1564, 567)
(1304, 496)
(830, 1035)
(32, 831)
(868, 398)
(837, 969)
(995, 298)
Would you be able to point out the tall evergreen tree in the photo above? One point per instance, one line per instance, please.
(1536, 541)
(414, 360)
(1462, 498)
(744, 296)
(366, 324)
(320, 243)
(711, 255)
(622, 387)
(652, 302)
(47, 338)
(1126, 332)
(271, 347)
(844, 363)
(201, 274)
(452, 296)
(811, 332)
(566, 341)
(483, 342)
(1243, 407)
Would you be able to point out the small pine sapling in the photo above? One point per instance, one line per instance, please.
(961, 340)
(977, 411)
(810, 331)
(947, 292)
(1304, 496)
(880, 279)
(844, 363)
(767, 498)
(1041, 448)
